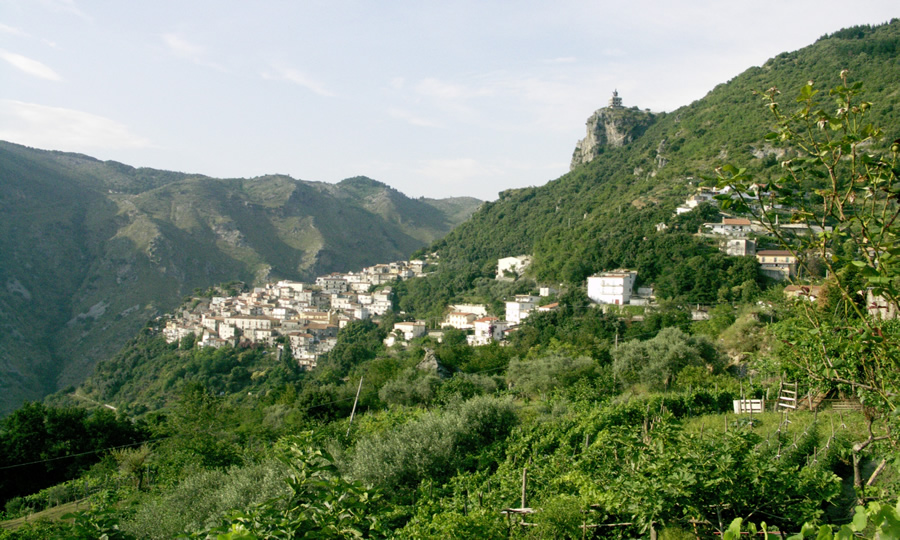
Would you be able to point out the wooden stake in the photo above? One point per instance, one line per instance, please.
(524, 484)
(353, 412)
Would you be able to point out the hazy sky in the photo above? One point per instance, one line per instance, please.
(436, 99)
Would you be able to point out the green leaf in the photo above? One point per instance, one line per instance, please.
(825, 533)
(845, 533)
(860, 520)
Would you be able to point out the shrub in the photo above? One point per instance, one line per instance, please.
(539, 376)
(434, 445)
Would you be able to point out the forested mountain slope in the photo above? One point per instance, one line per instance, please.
(92, 249)
(603, 214)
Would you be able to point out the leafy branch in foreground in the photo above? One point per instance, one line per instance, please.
(876, 520)
(321, 504)
(840, 185)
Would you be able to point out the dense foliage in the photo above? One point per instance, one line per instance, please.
(41, 446)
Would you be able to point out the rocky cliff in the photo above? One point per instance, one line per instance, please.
(612, 126)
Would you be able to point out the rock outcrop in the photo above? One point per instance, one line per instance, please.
(431, 363)
(612, 126)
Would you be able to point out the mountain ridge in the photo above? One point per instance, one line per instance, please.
(93, 249)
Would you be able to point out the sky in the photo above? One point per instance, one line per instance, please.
(436, 99)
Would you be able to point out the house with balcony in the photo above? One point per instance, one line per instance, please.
(487, 330)
(611, 287)
(460, 320)
(778, 264)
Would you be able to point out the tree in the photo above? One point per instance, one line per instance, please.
(657, 361)
(132, 462)
(200, 432)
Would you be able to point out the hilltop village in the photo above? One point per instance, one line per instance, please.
(308, 315)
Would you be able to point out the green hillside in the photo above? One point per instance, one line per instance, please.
(774, 412)
(604, 214)
(92, 250)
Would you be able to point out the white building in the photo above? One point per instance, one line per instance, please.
(519, 309)
(547, 291)
(249, 322)
(475, 309)
(880, 307)
(739, 247)
(410, 330)
(334, 283)
(382, 301)
(511, 267)
(730, 227)
(460, 320)
(611, 287)
(778, 264)
(487, 330)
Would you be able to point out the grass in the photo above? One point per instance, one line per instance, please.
(50, 514)
(849, 425)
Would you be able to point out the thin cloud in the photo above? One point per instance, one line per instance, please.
(59, 128)
(30, 66)
(188, 50)
(299, 78)
(561, 60)
(4, 29)
(409, 117)
(436, 88)
(68, 6)
(183, 48)
(455, 171)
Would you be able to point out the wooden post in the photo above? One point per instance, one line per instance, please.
(355, 401)
(524, 484)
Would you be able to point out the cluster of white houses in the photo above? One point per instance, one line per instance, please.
(615, 288)
(308, 315)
